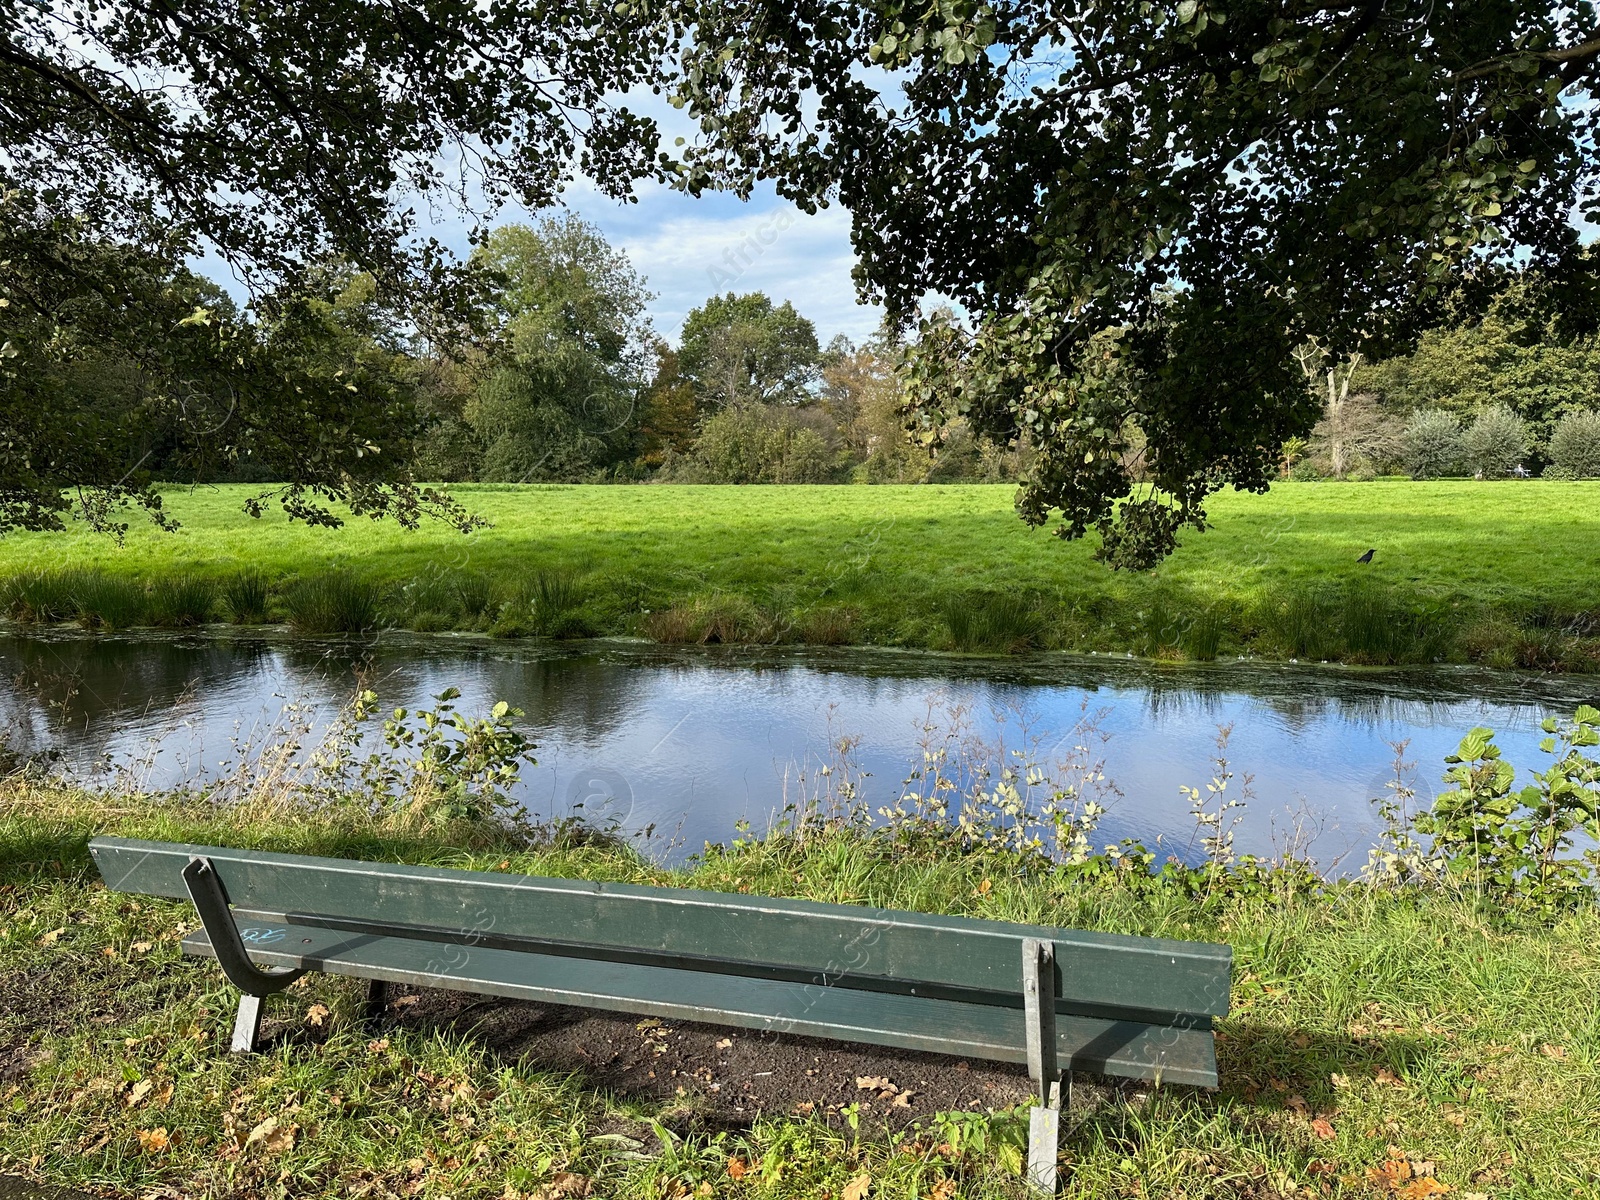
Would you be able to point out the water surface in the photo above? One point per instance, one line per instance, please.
(685, 742)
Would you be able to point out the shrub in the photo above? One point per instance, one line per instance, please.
(337, 602)
(246, 594)
(757, 443)
(1575, 446)
(181, 601)
(102, 601)
(1432, 443)
(1496, 443)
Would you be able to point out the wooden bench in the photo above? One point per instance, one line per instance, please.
(1057, 999)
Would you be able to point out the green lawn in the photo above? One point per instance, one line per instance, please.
(882, 563)
(1381, 1044)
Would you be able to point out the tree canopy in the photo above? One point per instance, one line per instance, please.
(1146, 207)
(745, 349)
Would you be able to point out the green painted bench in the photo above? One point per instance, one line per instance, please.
(1057, 999)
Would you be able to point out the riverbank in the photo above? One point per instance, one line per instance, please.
(1494, 573)
(1382, 1042)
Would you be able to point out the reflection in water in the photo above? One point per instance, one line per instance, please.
(688, 741)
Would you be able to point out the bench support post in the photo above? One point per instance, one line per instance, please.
(377, 1002)
(247, 1025)
(1044, 1068)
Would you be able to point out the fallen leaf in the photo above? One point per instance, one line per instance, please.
(1559, 1053)
(737, 1168)
(272, 1137)
(563, 1185)
(857, 1187)
(903, 1100)
(943, 1190)
(1391, 1174)
(875, 1083)
(1322, 1128)
(724, 1043)
(1421, 1189)
(139, 1091)
(1385, 1075)
(1338, 1080)
(154, 1141)
(985, 887)
(50, 938)
(405, 1001)
(1458, 1119)
(378, 1047)
(317, 1014)
(1298, 1104)
(1301, 1040)
(141, 947)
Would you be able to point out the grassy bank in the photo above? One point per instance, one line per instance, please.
(1382, 1043)
(1501, 573)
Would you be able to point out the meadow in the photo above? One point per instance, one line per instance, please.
(1499, 572)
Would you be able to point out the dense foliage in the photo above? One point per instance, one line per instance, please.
(1216, 182)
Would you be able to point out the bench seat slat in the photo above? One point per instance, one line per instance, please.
(1097, 971)
(983, 1031)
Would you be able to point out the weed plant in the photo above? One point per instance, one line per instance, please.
(988, 623)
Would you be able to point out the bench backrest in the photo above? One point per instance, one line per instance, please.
(1128, 978)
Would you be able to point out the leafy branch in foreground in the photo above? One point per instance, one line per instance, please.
(1146, 208)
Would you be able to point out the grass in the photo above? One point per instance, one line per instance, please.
(1499, 572)
(1373, 1035)
(334, 602)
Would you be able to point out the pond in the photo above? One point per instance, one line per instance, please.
(677, 745)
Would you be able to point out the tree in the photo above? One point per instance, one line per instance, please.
(117, 361)
(1353, 428)
(1575, 447)
(743, 350)
(1212, 181)
(560, 400)
(283, 137)
(277, 133)
(667, 423)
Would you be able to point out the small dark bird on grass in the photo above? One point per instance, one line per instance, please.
(1367, 557)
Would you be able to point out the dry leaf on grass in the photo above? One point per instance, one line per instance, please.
(1385, 1075)
(50, 938)
(857, 1187)
(1322, 1128)
(1421, 1189)
(945, 1189)
(272, 1137)
(139, 1091)
(565, 1184)
(1559, 1053)
(154, 1141)
(317, 1014)
(737, 1168)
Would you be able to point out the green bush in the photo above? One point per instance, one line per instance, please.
(1433, 446)
(180, 601)
(1575, 446)
(337, 602)
(759, 443)
(1495, 443)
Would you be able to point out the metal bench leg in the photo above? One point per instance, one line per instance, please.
(247, 1025)
(377, 1002)
(1044, 1068)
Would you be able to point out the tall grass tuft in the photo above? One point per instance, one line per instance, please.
(103, 601)
(336, 602)
(1202, 638)
(546, 603)
(985, 622)
(182, 601)
(474, 594)
(1303, 620)
(39, 597)
(246, 594)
